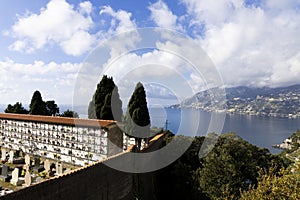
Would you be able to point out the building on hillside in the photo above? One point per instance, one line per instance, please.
(70, 140)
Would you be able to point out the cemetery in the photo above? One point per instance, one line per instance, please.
(79, 142)
(27, 171)
(34, 148)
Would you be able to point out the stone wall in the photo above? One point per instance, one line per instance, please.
(96, 181)
(115, 140)
(93, 182)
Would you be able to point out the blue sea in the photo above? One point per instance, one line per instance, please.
(261, 131)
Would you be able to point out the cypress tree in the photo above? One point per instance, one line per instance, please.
(106, 103)
(37, 105)
(137, 119)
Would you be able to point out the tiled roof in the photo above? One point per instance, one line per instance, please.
(58, 120)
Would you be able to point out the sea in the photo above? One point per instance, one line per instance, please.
(258, 130)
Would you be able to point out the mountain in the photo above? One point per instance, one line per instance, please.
(278, 102)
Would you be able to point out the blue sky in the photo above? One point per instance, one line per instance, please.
(44, 43)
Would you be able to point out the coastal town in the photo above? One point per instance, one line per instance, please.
(270, 102)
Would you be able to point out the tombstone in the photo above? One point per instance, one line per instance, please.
(15, 178)
(4, 170)
(47, 165)
(27, 160)
(4, 173)
(11, 157)
(27, 179)
(59, 169)
(3, 154)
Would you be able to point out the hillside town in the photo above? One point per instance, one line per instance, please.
(278, 102)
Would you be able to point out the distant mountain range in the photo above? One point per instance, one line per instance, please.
(265, 101)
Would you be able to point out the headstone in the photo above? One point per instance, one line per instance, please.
(59, 169)
(3, 154)
(15, 178)
(11, 157)
(4, 170)
(15, 175)
(47, 165)
(27, 179)
(27, 160)
(4, 173)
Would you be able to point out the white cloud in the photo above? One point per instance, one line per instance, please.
(86, 7)
(54, 80)
(59, 23)
(163, 16)
(122, 17)
(281, 4)
(250, 45)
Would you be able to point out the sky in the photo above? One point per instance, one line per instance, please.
(45, 45)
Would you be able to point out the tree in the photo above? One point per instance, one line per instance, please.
(178, 177)
(52, 108)
(70, 113)
(233, 165)
(272, 185)
(137, 119)
(37, 105)
(16, 108)
(106, 103)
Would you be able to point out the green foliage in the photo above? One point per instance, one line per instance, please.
(272, 185)
(40, 107)
(137, 119)
(37, 105)
(16, 108)
(177, 180)
(70, 113)
(52, 108)
(106, 103)
(232, 165)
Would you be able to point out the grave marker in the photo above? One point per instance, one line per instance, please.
(4, 173)
(47, 165)
(15, 178)
(11, 157)
(59, 169)
(27, 160)
(27, 179)
(3, 154)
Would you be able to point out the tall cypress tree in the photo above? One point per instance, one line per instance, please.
(137, 119)
(106, 103)
(37, 105)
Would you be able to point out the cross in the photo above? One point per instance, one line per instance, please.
(167, 123)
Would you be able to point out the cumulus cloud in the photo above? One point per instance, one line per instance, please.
(254, 45)
(121, 20)
(59, 23)
(163, 16)
(24, 79)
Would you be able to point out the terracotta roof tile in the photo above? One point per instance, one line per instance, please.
(58, 120)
